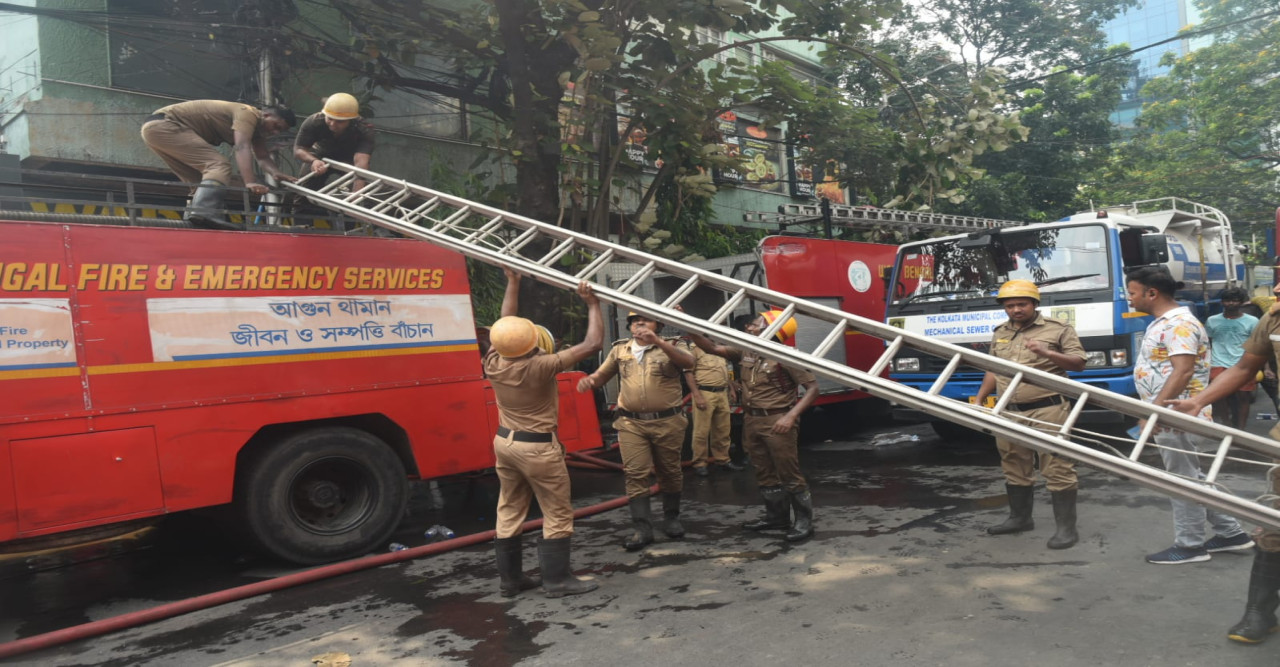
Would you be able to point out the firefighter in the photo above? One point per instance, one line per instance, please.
(651, 424)
(185, 134)
(1263, 597)
(1050, 345)
(709, 390)
(522, 367)
(771, 427)
(337, 132)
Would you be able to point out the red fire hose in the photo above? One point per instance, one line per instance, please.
(132, 619)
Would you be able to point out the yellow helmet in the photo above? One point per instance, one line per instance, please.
(1019, 288)
(341, 106)
(546, 342)
(514, 336)
(787, 331)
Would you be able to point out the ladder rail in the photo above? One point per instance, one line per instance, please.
(936, 406)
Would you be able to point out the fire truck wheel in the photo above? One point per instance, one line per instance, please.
(323, 495)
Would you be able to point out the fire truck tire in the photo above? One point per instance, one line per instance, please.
(323, 495)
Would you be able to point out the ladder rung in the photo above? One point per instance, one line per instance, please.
(778, 322)
(1218, 459)
(337, 183)
(1007, 397)
(479, 233)
(557, 252)
(830, 341)
(729, 305)
(525, 238)
(889, 353)
(680, 294)
(427, 206)
(640, 276)
(1076, 411)
(1143, 437)
(363, 193)
(590, 270)
(945, 375)
(392, 201)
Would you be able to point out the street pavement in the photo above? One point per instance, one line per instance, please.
(901, 572)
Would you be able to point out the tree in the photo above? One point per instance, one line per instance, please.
(1212, 133)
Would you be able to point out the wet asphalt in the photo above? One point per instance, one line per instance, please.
(900, 572)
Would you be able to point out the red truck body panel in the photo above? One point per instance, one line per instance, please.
(135, 363)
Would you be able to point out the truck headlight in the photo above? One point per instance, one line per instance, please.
(1120, 357)
(907, 365)
(1100, 358)
(1095, 359)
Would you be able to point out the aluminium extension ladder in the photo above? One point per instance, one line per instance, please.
(870, 217)
(500, 238)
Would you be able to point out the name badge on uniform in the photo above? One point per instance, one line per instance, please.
(1275, 337)
(1002, 340)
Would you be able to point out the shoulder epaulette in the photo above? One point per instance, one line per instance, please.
(620, 341)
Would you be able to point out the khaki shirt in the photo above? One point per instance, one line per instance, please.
(215, 121)
(768, 385)
(525, 389)
(1265, 342)
(648, 385)
(710, 370)
(1009, 343)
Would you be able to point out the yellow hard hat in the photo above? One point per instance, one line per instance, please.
(341, 106)
(546, 342)
(787, 331)
(1018, 288)
(514, 336)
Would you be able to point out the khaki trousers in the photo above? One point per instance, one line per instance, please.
(776, 457)
(1018, 462)
(711, 423)
(189, 156)
(1268, 539)
(525, 470)
(651, 446)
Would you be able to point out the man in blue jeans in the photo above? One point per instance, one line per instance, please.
(1174, 364)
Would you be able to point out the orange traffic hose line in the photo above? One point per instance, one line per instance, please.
(587, 458)
(144, 616)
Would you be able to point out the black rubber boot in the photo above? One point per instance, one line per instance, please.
(802, 503)
(203, 212)
(644, 526)
(557, 579)
(1260, 608)
(509, 554)
(671, 516)
(1019, 520)
(777, 514)
(1064, 515)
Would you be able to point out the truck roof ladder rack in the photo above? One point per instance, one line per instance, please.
(496, 237)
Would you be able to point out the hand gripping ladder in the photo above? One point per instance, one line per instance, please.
(538, 249)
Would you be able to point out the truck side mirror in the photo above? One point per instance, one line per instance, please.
(1155, 249)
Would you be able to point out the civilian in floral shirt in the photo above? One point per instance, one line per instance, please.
(1174, 364)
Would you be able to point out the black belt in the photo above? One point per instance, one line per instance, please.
(661, 414)
(154, 116)
(702, 388)
(524, 436)
(765, 412)
(1036, 405)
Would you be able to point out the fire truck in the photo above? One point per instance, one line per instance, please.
(302, 380)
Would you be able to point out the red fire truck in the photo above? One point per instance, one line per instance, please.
(845, 275)
(304, 379)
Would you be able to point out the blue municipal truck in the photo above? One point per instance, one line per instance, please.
(945, 287)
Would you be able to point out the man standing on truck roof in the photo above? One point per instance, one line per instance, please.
(1228, 331)
(709, 390)
(650, 423)
(771, 427)
(1174, 364)
(1052, 346)
(1262, 348)
(185, 134)
(522, 366)
(337, 132)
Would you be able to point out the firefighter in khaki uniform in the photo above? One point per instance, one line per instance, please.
(1052, 346)
(771, 428)
(1263, 599)
(651, 424)
(530, 459)
(709, 391)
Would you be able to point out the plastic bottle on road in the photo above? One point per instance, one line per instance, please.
(438, 532)
(396, 546)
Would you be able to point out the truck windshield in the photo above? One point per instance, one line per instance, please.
(1058, 259)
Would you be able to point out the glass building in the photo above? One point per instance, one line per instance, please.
(1150, 22)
